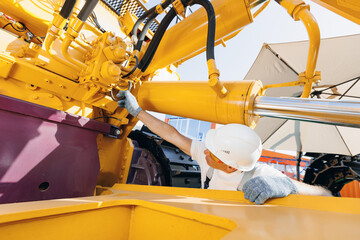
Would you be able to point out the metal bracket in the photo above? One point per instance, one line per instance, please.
(315, 79)
(179, 8)
(302, 81)
(5, 67)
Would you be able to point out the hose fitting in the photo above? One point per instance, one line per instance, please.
(214, 82)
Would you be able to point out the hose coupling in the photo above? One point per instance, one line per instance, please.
(214, 81)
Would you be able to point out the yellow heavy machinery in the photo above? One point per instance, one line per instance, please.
(65, 153)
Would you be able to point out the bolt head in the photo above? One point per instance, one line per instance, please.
(117, 132)
(114, 70)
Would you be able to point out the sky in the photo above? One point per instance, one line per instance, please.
(273, 25)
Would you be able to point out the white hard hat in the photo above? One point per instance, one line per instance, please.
(236, 145)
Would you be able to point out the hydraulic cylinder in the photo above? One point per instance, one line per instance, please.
(243, 104)
(197, 100)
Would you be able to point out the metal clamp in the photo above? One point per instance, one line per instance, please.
(303, 80)
(179, 8)
(159, 9)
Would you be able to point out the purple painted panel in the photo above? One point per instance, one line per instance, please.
(34, 110)
(42, 159)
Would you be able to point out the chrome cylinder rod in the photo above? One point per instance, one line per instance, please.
(334, 112)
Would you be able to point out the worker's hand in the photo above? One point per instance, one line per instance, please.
(128, 101)
(260, 189)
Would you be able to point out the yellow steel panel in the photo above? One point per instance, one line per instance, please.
(173, 226)
(349, 9)
(36, 15)
(107, 219)
(115, 158)
(330, 204)
(104, 223)
(137, 212)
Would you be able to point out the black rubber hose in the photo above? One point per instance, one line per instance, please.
(150, 52)
(87, 9)
(166, 3)
(134, 68)
(67, 8)
(144, 31)
(148, 24)
(210, 43)
(146, 14)
(141, 19)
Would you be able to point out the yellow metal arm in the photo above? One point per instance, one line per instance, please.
(314, 36)
(298, 10)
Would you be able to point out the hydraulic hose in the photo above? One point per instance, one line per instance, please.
(141, 19)
(87, 9)
(210, 43)
(132, 70)
(214, 73)
(145, 29)
(67, 8)
(149, 54)
(149, 22)
(151, 14)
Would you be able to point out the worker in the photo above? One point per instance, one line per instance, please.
(227, 159)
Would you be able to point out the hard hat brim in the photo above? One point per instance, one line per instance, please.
(210, 144)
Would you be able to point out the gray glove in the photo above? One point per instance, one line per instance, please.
(260, 189)
(128, 101)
